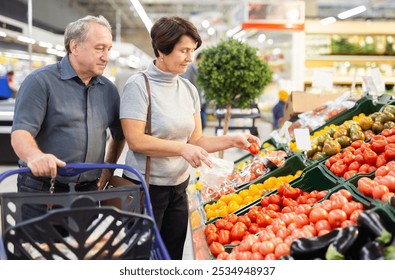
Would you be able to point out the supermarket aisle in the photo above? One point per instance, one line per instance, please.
(9, 184)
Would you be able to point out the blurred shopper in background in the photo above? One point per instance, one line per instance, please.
(63, 111)
(6, 86)
(191, 75)
(177, 141)
(278, 109)
(11, 84)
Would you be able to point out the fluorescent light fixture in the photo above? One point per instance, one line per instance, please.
(59, 47)
(261, 38)
(3, 34)
(142, 14)
(328, 20)
(352, 12)
(45, 45)
(26, 39)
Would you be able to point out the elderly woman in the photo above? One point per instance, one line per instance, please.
(176, 140)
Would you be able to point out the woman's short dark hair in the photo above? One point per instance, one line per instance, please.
(167, 31)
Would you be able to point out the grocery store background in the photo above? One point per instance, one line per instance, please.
(299, 40)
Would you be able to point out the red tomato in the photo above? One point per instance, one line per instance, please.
(378, 191)
(253, 228)
(387, 196)
(263, 220)
(322, 225)
(210, 228)
(237, 233)
(223, 256)
(302, 220)
(336, 217)
(254, 148)
(256, 256)
(303, 209)
(274, 199)
(338, 201)
(281, 249)
(266, 247)
(349, 174)
(365, 185)
(216, 248)
(211, 237)
(382, 171)
(291, 192)
(318, 213)
(231, 217)
(350, 207)
(224, 236)
(245, 220)
(387, 180)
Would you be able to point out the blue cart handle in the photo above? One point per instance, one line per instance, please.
(72, 169)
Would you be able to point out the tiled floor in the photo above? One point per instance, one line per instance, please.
(264, 129)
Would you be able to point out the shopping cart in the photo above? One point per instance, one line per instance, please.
(93, 229)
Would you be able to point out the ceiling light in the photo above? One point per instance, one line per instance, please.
(142, 14)
(205, 23)
(26, 39)
(352, 12)
(327, 21)
(3, 34)
(45, 45)
(261, 38)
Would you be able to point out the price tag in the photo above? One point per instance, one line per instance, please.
(302, 139)
(378, 81)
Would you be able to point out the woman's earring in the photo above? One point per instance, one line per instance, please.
(161, 58)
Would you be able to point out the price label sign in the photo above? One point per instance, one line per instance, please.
(302, 139)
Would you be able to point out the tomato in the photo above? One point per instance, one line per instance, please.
(387, 180)
(336, 217)
(378, 145)
(355, 165)
(338, 168)
(216, 248)
(253, 228)
(245, 220)
(302, 220)
(365, 185)
(281, 249)
(349, 208)
(254, 148)
(231, 217)
(274, 199)
(256, 256)
(350, 174)
(346, 193)
(243, 255)
(263, 219)
(303, 209)
(381, 160)
(265, 201)
(322, 225)
(387, 196)
(210, 228)
(291, 192)
(266, 247)
(237, 233)
(338, 201)
(318, 213)
(382, 171)
(289, 202)
(223, 256)
(354, 215)
(274, 207)
(224, 236)
(364, 168)
(378, 191)
(359, 158)
(211, 237)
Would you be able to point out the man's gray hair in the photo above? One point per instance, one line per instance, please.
(78, 29)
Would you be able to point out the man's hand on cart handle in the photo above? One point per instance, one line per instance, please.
(45, 165)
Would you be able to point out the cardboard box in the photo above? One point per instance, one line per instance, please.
(300, 102)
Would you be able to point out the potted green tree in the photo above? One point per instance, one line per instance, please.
(232, 74)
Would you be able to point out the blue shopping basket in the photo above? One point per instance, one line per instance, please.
(89, 230)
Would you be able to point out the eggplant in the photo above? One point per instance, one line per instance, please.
(308, 248)
(372, 250)
(343, 242)
(375, 226)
